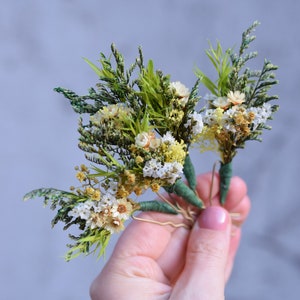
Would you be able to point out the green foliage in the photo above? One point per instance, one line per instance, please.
(220, 61)
(154, 86)
(257, 92)
(233, 76)
(255, 84)
(81, 104)
(115, 85)
(90, 240)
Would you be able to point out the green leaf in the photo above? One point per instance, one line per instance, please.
(97, 70)
(207, 82)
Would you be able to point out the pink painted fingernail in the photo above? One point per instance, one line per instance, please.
(214, 217)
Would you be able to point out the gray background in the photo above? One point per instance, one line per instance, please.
(41, 46)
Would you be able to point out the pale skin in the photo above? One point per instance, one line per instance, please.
(152, 261)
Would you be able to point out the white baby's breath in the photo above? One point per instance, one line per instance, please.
(261, 114)
(196, 122)
(168, 138)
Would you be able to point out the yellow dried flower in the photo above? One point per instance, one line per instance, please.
(95, 180)
(96, 195)
(176, 152)
(122, 192)
(114, 225)
(84, 168)
(155, 187)
(138, 190)
(89, 190)
(176, 115)
(219, 114)
(139, 159)
(81, 176)
(207, 141)
(131, 178)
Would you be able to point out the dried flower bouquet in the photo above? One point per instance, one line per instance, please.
(136, 128)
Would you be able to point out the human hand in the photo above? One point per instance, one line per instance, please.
(151, 261)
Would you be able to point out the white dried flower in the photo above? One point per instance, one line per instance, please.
(182, 91)
(222, 102)
(168, 138)
(195, 120)
(261, 114)
(143, 139)
(236, 97)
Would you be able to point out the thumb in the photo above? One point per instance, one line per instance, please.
(203, 276)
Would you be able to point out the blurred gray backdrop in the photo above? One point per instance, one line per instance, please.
(41, 47)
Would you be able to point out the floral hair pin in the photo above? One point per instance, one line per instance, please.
(136, 128)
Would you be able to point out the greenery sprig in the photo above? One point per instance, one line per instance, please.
(238, 106)
(136, 127)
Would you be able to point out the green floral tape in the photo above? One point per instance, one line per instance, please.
(225, 177)
(189, 172)
(182, 190)
(157, 206)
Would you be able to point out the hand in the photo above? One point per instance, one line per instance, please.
(151, 261)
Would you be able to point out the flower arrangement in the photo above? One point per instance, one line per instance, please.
(136, 128)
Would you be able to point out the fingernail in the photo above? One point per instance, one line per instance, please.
(214, 217)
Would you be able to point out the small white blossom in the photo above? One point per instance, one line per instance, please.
(143, 139)
(182, 91)
(236, 97)
(108, 199)
(171, 171)
(229, 113)
(222, 102)
(155, 143)
(227, 119)
(168, 138)
(261, 114)
(151, 167)
(195, 120)
(112, 187)
(209, 117)
(82, 210)
(168, 171)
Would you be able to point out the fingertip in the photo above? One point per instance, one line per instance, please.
(237, 183)
(236, 193)
(215, 218)
(241, 210)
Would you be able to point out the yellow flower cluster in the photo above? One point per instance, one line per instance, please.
(88, 184)
(117, 113)
(175, 152)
